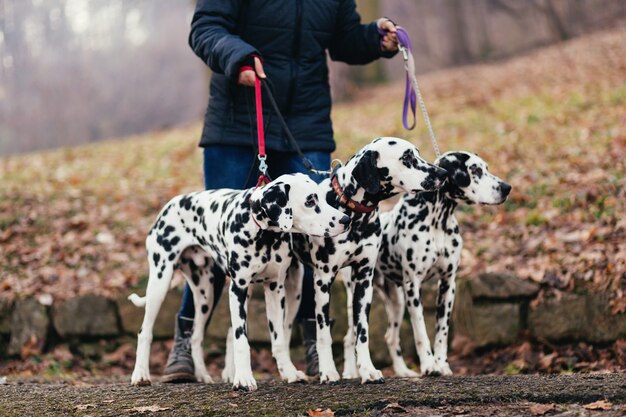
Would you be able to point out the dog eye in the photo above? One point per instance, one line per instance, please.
(310, 201)
(477, 171)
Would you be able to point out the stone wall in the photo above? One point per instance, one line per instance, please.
(490, 310)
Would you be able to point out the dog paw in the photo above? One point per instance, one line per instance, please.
(329, 377)
(429, 368)
(205, 378)
(228, 374)
(350, 373)
(444, 368)
(140, 377)
(244, 383)
(406, 373)
(300, 377)
(431, 372)
(371, 376)
(293, 375)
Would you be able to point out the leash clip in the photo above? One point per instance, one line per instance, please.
(405, 52)
(263, 164)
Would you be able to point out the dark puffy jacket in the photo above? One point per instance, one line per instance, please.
(292, 38)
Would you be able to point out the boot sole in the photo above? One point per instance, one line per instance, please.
(178, 378)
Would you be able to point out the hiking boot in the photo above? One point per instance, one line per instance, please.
(309, 338)
(179, 366)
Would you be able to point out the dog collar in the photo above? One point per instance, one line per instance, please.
(254, 220)
(346, 201)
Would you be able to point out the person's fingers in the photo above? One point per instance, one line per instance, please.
(258, 66)
(389, 26)
(389, 45)
(247, 78)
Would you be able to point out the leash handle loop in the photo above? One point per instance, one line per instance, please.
(259, 117)
(412, 93)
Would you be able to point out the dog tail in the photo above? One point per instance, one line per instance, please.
(137, 300)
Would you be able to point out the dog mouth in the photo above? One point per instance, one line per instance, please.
(430, 184)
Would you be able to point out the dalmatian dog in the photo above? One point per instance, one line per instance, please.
(247, 234)
(385, 167)
(421, 241)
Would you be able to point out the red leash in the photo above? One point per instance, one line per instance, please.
(263, 177)
(258, 98)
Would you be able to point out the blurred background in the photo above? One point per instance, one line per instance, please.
(100, 115)
(123, 66)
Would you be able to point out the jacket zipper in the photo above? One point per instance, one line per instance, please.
(295, 53)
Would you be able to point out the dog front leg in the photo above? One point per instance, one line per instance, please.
(228, 373)
(362, 301)
(349, 340)
(328, 371)
(445, 302)
(275, 303)
(238, 302)
(412, 292)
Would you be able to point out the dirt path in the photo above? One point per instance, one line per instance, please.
(477, 395)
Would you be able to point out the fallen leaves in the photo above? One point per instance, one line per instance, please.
(542, 357)
(603, 405)
(394, 408)
(148, 409)
(318, 412)
(541, 409)
(83, 407)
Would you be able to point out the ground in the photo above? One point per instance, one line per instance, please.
(572, 395)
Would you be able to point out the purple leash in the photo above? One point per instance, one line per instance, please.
(412, 92)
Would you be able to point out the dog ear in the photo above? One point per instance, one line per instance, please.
(273, 207)
(457, 169)
(366, 172)
(284, 217)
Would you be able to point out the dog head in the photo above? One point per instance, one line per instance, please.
(390, 165)
(294, 203)
(469, 179)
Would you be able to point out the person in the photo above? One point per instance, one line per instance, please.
(285, 42)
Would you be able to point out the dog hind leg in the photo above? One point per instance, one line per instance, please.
(199, 280)
(158, 285)
(412, 292)
(293, 292)
(275, 304)
(393, 297)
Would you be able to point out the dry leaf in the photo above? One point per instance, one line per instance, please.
(82, 407)
(541, 409)
(149, 409)
(394, 408)
(319, 413)
(599, 405)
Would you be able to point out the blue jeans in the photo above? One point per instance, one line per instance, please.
(233, 167)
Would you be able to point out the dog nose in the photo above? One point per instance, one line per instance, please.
(505, 188)
(345, 220)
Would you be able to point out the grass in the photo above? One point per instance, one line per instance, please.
(552, 123)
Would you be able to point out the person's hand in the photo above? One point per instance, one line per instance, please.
(389, 42)
(247, 77)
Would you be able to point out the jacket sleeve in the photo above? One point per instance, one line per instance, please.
(353, 42)
(212, 36)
